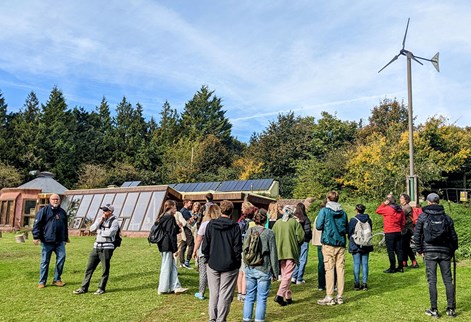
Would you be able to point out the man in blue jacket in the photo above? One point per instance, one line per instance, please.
(50, 227)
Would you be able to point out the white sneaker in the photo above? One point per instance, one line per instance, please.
(339, 300)
(301, 282)
(293, 280)
(326, 301)
(180, 290)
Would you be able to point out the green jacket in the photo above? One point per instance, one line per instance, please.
(289, 236)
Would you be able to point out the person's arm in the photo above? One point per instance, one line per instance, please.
(66, 226)
(38, 226)
(320, 220)
(300, 233)
(237, 243)
(198, 241)
(275, 266)
(418, 234)
(206, 242)
(382, 209)
(97, 224)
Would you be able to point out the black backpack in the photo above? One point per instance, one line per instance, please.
(117, 238)
(436, 229)
(156, 233)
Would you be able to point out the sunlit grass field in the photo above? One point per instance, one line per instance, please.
(132, 295)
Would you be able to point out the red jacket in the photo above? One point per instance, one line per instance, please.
(394, 218)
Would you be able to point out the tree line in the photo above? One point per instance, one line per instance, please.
(92, 149)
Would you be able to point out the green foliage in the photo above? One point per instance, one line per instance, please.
(9, 176)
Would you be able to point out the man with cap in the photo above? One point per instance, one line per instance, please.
(436, 240)
(106, 227)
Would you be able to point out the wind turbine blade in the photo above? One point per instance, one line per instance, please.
(405, 35)
(392, 60)
(434, 61)
(413, 57)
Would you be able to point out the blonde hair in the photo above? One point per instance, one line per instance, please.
(213, 212)
(196, 204)
(273, 211)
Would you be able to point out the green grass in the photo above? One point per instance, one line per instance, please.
(132, 295)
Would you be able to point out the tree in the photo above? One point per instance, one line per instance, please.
(92, 176)
(9, 176)
(3, 128)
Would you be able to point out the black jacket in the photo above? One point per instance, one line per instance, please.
(50, 225)
(448, 246)
(171, 229)
(222, 245)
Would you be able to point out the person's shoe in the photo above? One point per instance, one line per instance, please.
(199, 296)
(289, 301)
(339, 300)
(293, 281)
(390, 271)
(357, 286)
(180, 290)
(280, 300)
(415, 265)
(79, 291)
(58, 283)
(450, 312)
(404, 264)
(185, 265)
(41, 285)
(99, 292)
(400, 270)
(301, 282)
(326, 301)
(319, 288)
(433, 313)
(364, 287)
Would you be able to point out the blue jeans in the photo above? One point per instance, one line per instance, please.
(360, 259)
(46, 252)
(298, 273)
(258, 286)
(168, 280)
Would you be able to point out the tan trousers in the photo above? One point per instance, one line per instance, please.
(334, 260)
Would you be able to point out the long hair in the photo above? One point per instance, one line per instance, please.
(168, 205)
(213, 212)
(300, 212)
(260, 217)
(273, 211)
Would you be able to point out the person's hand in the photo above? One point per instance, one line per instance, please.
(194, 255)
(36, 242)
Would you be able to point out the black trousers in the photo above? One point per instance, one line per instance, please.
(97, 256)
(432, 260)
(190, 243)
(407, 251)
(394, 247)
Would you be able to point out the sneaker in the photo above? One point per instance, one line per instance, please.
(79, 291)
(280, 300)
(400, 270)
(180, 290)
(99, 292)
(339, 300)
(390, 271)
(432, 312)
(326, 301)
(404, 264)
(41, 286)
(364, 287)
(415, 265)
(301, 282)
(356, 286)
(58, 283)
(185, 265)
(293, 281)
(199, 296)
(450, 312)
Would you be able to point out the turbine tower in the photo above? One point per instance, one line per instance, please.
(412, 179)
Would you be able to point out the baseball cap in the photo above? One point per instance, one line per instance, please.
(433, 197)
(107, 207)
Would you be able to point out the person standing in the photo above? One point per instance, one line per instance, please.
(258, 278)
(222, 249)
(300, 214)
(333, 222)
(50, 227)
(407, 231)
(360, 253)
(189, 241)
(394, 222)
(436, 239)
(168, 280)
(106, 227)
(289, 236)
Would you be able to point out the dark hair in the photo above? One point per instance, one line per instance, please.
(260, 217)
(360, 208)
(406, 197)
(209, 196)
(226, 207)
(300, 212)
(169, 204)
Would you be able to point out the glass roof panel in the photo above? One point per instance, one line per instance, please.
(153, 210)
(139, 211)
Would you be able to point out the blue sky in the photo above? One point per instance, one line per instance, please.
(261, 57)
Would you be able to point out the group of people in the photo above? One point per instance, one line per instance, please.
(209, 235)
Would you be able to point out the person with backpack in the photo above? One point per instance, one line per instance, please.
(289, 236)
(261, 259)
(107, 228)
(333, 222)
(168, 280)
(245, 222)
(436, 240)
(394, 222)
(407, 232)
(360, 232)
(300, 214)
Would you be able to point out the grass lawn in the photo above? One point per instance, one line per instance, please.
(132, 295)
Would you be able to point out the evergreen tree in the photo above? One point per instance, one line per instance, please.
(108, 145)
(3, 129)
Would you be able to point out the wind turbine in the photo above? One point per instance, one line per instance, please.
(412, 179)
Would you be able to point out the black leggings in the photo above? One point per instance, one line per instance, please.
(394, 247)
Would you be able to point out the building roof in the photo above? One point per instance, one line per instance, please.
(45, 181)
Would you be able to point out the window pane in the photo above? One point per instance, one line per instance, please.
(139, 211)
(128, 207)
(153, 210)
(30, 206)
(83, 203)
(94, 207)
(118, 203)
